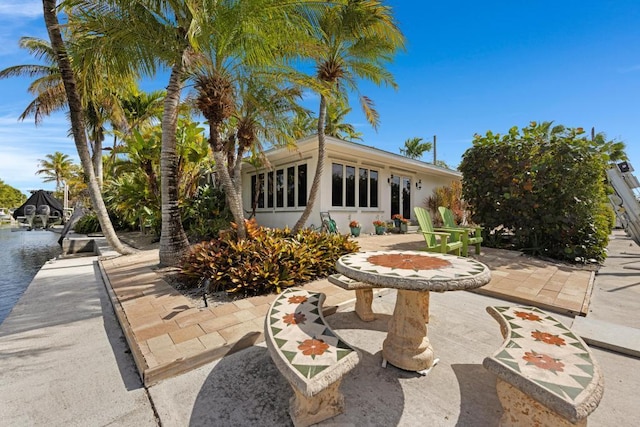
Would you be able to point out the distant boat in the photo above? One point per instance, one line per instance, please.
(41, 210)
(5, 215)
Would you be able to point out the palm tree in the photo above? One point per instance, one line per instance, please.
(352, 40)
(56, 168)
(614, 150)
(414, 148)
(140, 35)
(47, 86)
(249, 39)
(304, 124)
(100, 100)
(335, 122)
(77, 123)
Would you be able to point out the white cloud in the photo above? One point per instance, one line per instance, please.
(23, 145)
(21, 9)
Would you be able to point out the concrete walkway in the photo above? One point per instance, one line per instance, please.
(243, 387)
(63, 358)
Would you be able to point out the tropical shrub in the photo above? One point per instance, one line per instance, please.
(87, 224)
(541, 190)
(449, 197)
(132, 184)
(268, 260)
(205, 214)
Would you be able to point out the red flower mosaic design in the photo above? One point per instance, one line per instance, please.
(543, 361)
(408, 262)
(313, 347)
(297, 299)
(294, 319)
(548, 338)
(525, 315)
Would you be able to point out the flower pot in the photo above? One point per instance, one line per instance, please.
(396, 222)
(403, 227)
(380, 229)
(355, 231)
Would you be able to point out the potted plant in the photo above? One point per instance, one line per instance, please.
(397, 218)
(355, 228)
(404, 224)
(380, 226)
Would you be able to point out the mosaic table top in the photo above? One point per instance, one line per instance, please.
(307, 351)
(414, 270)
(546, 360)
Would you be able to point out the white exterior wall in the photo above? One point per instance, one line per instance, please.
(350, 154)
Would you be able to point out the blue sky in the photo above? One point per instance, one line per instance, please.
(469, 67)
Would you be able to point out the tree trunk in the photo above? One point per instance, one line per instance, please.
(233, 199)
(97, 155)
(173, 240)
(77, 124)
(315, 186)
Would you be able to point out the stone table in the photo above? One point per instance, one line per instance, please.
(414, 274)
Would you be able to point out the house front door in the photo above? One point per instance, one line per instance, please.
(401, 196)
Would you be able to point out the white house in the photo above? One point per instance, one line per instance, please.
(359, 183)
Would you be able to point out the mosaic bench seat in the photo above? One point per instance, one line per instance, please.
(547, 375)
(309, 355)
(364, 295)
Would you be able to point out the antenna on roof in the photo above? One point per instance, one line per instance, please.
(434, 149)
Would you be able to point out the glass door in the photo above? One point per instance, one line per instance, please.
(400, 196)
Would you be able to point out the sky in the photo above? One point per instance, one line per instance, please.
(469, 67)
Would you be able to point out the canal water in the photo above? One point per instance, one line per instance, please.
(22, 254)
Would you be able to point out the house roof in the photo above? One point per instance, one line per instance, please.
(361, 151)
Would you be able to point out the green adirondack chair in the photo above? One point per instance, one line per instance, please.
(470, 235)
(437, 241)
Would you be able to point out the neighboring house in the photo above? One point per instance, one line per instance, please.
(359, 183)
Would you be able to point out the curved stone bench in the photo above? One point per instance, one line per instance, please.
(309, 354)
(547, 375)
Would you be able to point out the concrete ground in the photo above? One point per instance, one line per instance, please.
(245, 388)
(63, 357)
(63, 361)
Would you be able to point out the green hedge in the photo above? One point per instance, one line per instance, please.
(540, 189)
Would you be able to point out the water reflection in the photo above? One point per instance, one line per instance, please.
(22, 254)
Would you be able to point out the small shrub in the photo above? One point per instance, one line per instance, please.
(269, 260)
(88, 224)
(450, 197)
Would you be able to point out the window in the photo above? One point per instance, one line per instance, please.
(302, 185)
(291, 186)
(261, 191)
(345, 187)
(373, 189)
(363, 187)
(350, 186)
(270, 189)
(280, 188)
(336, 184)
(254, 180)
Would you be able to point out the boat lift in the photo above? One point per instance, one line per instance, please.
(624, 200)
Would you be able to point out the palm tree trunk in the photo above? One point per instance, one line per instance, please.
(315, 186)
(173, 240)
(77, 124)
(220, 156)
(97, 155)
(237, 175)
